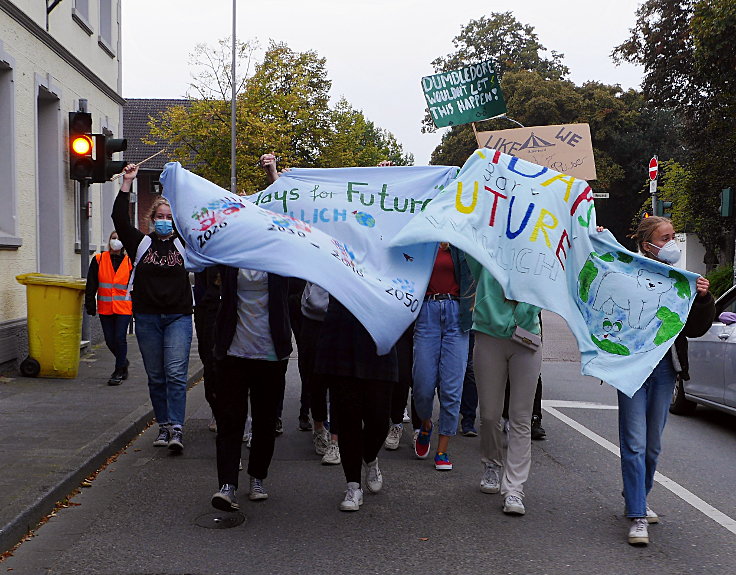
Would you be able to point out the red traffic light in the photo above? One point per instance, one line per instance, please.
(82, 145)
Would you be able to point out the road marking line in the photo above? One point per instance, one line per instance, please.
(674, 487)
(576, 404)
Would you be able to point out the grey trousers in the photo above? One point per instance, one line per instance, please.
(495, 360)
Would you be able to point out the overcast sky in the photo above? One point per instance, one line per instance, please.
(376, 50)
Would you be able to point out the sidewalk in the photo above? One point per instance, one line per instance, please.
(56, 432)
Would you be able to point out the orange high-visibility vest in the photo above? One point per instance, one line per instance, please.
(113, 286)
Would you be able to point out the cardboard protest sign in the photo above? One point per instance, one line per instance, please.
(470, 94)
(564, 148)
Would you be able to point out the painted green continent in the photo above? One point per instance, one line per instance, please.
(586, 276)
(681, 284)
(671, 325)
(611, 346)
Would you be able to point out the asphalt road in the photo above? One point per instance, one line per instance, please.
(142, 512)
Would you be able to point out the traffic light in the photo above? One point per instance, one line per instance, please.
(664, 209)
(726, 202)
(80, 146)
(105, 167)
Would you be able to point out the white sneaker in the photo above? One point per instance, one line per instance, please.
(407, 417)
(321, 441)
(353, 498)
(638, 531)
(394, 436)
(513, 505)
(652, 517)
(491, 480)
(373, 476)
(332, 457)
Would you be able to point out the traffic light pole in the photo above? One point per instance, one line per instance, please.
(84, 231)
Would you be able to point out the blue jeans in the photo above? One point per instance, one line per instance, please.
(641, 421)
(469, 400)
(440, 357)
(164, 341)
(115, 330)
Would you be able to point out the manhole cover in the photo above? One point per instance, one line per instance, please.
(220, 520)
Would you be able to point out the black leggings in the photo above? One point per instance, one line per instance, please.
(362, 411)
(316, 383)
(265, 381)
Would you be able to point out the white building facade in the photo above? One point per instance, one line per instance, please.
(52, 54)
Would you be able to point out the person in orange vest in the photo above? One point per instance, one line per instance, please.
(107, 287)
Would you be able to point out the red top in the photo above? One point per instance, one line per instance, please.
(443, 275)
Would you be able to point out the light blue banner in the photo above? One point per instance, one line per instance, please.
(534, 229)
(332, 227)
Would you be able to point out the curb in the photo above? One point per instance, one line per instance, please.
(113, 440)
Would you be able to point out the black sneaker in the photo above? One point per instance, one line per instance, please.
(538, 432)
(176, 443)
(124, 370)
(164, 435)
(116, 378)
(224, 500)
(304, 423)
(279, 427)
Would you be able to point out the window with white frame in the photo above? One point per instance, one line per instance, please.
(8, 227)
(80, 14)
(105, 37)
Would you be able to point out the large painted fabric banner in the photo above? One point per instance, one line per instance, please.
(331, 227)
(534, 229)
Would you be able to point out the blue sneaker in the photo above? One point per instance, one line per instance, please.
(442, 461)
(421, 444)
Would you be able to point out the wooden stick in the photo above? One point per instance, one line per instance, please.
(116, 176)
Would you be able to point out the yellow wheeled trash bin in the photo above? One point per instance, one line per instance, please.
(54, 325)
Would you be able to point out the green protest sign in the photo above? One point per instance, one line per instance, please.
(470, 94)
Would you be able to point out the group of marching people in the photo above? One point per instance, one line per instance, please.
(357, 398)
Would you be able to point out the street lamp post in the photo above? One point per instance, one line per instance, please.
(233, 181)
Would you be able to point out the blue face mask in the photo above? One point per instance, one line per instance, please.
(163, 227)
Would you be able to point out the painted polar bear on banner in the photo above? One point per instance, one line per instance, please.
(639, 294)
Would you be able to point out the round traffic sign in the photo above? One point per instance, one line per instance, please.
(653, 168)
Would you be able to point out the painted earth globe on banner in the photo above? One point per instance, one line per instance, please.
(364, 219)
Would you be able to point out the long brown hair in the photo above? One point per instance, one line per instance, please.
(646, 230)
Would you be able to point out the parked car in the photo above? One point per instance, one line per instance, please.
(712, 365)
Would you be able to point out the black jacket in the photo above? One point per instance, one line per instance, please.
(698, 322)
(227, 314)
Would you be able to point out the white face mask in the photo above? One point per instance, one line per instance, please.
(116, 245)
(669, 253)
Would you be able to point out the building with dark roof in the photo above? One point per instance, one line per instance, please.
(137, 114)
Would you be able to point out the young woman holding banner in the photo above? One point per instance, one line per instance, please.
(162, 308)
(641, 418)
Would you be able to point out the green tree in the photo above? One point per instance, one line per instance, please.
(688, 54)
(511, 45)
(356, 141)
(282, 107)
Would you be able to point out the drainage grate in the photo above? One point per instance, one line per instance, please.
(220, 520)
